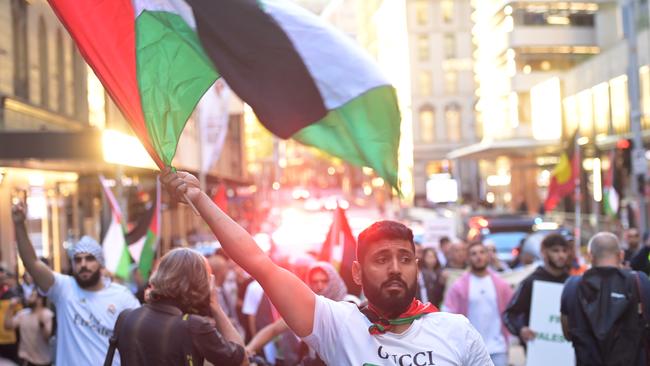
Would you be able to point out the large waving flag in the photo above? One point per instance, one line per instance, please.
(303, 78)
(116, 255)
(564, 176)
(150, 60)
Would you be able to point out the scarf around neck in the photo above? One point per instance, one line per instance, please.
(381, 324)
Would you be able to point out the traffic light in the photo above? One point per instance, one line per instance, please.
(625, 147)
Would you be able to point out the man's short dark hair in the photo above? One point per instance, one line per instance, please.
(554, 239)
(444, 240)
(382, 230)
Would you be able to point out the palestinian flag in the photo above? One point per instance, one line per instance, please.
(563, 177)
(340, 249)
(303, 78)
(116, 255)
(143, 239)
(149, 60)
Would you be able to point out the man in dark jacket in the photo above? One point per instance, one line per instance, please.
(604, 311)
(516, 317)
(182, 322)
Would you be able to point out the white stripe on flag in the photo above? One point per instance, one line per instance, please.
(179, 7)
(341, 69)
(113, 244)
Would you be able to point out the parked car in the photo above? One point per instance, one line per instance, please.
(530, 250)
(506, 232)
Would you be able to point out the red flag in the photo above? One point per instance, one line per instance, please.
(340, 249)
(564, 177)
(221, 198)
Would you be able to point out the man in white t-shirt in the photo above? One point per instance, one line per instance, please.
(395, 328)
(87, 305)
(482, 296)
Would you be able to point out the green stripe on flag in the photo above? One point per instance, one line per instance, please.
(365, 131)
(124, 265)
(173, 73)
(147, 255)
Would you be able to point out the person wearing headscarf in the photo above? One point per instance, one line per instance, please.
(325, 281)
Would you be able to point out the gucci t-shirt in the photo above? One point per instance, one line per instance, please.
(340, 337)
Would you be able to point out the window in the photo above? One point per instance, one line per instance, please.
(60, 71)
(451, 82)
(78, 95)
(424, 82)
(554, 15)
(571, 117)
(447, 10)
(422, 12)
(19, 40)
(427, 118)
(43, 64)
(601, 108)
(423, 47)
(586, 112)
(453, 122)
(524, 108)
(619, 104)
(644, 80)
(449, 44)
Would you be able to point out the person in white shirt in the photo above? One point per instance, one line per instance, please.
(87, 305)
(481, 295)
(394, 329)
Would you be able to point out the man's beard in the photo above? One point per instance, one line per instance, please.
(554, 265)
(90, 281)
(479, 269)
(391, 306)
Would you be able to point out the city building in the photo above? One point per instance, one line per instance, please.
(442, 98)
(595, 101)
(518, 45)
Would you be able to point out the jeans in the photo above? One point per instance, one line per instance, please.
(499, 359)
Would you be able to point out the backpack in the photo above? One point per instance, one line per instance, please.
(613, 321)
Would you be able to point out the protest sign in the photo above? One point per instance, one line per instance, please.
(549, 346)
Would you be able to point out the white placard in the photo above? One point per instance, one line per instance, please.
(549, 346)
(436, 228)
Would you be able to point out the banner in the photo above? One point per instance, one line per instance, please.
(549, 346)
(212, 117)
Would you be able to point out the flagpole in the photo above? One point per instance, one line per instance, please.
(639, 164)
(578, 201)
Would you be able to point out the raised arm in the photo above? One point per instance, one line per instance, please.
(291, 297)
(266, 335)
(42, 274)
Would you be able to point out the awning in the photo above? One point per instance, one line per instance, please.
(83, 145)
(521, 147)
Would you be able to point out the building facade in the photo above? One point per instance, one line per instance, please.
(520, 44)
(442, 92)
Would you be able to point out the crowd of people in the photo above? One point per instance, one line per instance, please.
(236, 306)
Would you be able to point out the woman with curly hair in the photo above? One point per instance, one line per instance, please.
(181, 322)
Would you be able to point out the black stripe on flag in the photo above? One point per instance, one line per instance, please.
(258, 61)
